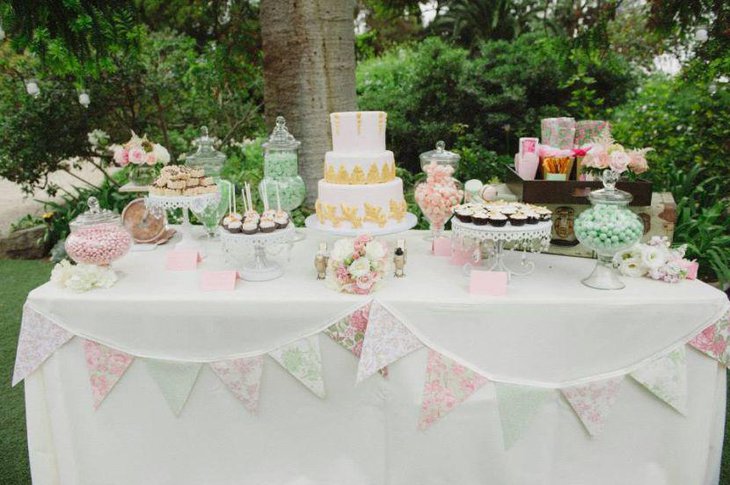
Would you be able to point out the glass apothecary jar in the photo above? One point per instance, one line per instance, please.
(206, 156)
(97, 236)
(607, 228)
(281, 169)
(437, 196)
(440, 156)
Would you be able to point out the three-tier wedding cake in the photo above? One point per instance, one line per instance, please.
(360, 189)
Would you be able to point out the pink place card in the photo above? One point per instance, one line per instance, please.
(182, 260)
(493, 283)
(218, 280)
(442, 247)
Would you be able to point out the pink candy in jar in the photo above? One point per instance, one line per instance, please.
(97, 237)
(438, 195)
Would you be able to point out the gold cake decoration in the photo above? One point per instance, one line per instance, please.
(337, 123)
(374, 214)
(381, 122)
(358, 176)
(398, 209)
(349, 214)
(358, 116)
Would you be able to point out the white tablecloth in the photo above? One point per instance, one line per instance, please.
(549, 331)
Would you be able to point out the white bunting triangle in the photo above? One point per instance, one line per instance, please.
(243, 378)
(386, 340)
(39, 338)
(518, 405)
(175, 380)
(303, 360)
(592, 402)
(666, 378)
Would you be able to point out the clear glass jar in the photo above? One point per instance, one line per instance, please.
(206, 156)
(441, 156)
(437, 196)
(281, 169)
(607, 228)
(97, 236)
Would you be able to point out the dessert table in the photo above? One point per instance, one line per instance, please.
(549, 337)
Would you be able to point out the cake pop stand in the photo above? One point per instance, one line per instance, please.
(258, 267)
(408, 222)
(194, 203)
(528, 238)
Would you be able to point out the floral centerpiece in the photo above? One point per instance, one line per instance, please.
(142, 156)
(657, 260)
(357, 265)
(82, 277)
(603, 153)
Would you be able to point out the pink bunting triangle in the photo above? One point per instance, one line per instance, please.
(592, 402)
(243, 378)
(714, 340)
(106, 366)
(447, 385)
(349, 332)
(39, 338)
(386, 340)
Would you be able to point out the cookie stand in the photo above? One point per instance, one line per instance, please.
(194, 203)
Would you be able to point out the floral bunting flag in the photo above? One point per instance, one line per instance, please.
(592, 402)
(666, 378)
(39, 338)
(349, 332)
(303, 360)
(386, 340)
(106, 366)
(518, 405)
(175, 380)
(243, 378)
(713, 340)
(447, 385)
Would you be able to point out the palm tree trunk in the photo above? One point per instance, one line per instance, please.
(309, 72)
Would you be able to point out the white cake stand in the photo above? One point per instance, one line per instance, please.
(528, 237)
(194, 203)
(257, 267)
(408, 222)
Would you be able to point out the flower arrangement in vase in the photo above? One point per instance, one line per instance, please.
(603, 153)
(357, 266)
(656, 260)
(142, 156)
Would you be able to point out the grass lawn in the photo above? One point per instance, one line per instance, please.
(17, 278)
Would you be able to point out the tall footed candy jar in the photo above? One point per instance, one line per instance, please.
(440, 192)
(281, 169)
(607, 228)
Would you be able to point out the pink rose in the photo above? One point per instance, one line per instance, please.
(705, 340)
(121, 157)
(137, 155)
(618, 161)
(151, 158)
(365, 282)
(638, 163)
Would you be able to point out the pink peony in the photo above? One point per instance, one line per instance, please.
(618, 161)
(151, 158)
(137, 155)
(638, 163)
(121, 156)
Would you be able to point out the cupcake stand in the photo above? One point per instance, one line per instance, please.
(238, 247)
(195, 203)
(529, 237)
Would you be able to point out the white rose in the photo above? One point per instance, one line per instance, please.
(618, 161)
(653, 257)
(343, 249)
(61, 273)
(632, 267)
(374, 251)
(359, 267)
(161, 154)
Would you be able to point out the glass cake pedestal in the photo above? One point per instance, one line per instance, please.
(195, 203)
(250, 252)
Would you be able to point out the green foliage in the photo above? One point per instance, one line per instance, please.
(437, 91)
(25, 222)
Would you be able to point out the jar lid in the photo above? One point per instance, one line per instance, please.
(95, 215)
(206, 154)
(609, 194)
(440, 155)
(280, 138)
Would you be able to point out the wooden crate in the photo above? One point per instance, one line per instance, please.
(570, 192)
